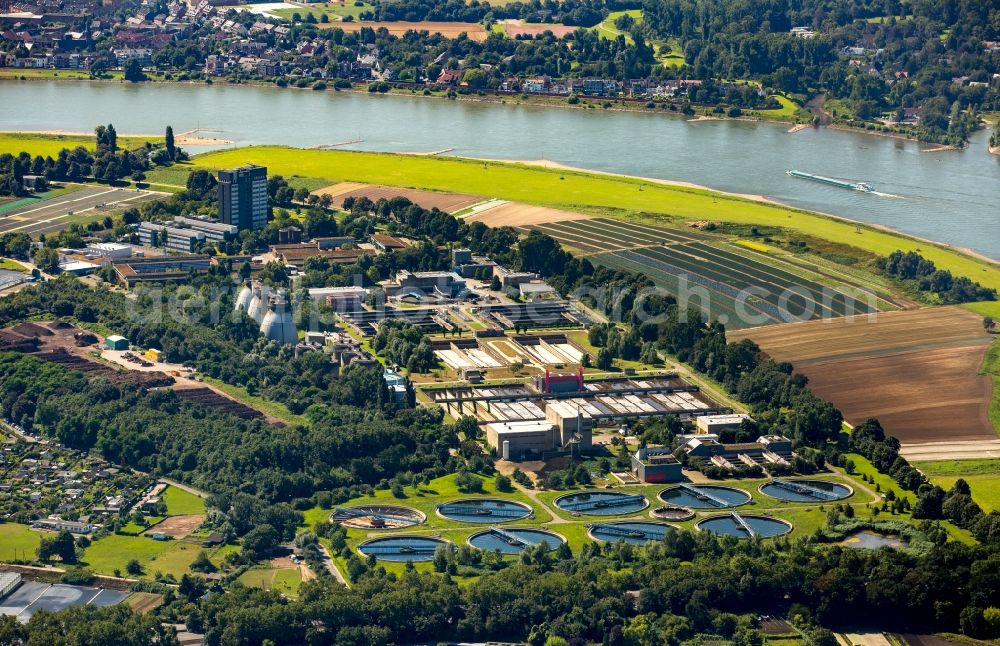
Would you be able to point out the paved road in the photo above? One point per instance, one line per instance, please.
(51, 214)
(957, 450)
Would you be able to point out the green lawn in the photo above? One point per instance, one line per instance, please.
(50, 145)
(789, 110)
(113, 552)
(182, 503)
(283, 580)
(607, 28)
(983, 477)
(18, 542)
(570, 189)
(11, 265)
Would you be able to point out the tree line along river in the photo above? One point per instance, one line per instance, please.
(947, 196)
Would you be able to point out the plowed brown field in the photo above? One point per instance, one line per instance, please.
(474, 30)
(447, 202)
(916, 371)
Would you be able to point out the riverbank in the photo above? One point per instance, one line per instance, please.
(587, 191)
(189, 138)
(745, 157)
(545, 163)
(607, 104)
(893, 135)
(584, 103)
(553, 165)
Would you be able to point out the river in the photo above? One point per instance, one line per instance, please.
(948, 196)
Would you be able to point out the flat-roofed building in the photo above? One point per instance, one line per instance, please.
(573, 424)
(441, 283)
(162, 268)
(716, 423)
(656, 465)
(213, 229)
(341, 299)
(111, 250)
(334, 242)
(160, 235)
(518, 440)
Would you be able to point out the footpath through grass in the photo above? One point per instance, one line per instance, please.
(576, 189)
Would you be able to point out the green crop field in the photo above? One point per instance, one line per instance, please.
(983, 477)
(18, 542)
(182, 503)
(48, 145)
(582, 190)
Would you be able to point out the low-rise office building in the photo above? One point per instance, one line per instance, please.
(172, 238)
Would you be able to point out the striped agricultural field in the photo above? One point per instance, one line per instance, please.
(743, 291)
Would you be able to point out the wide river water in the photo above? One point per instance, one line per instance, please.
(947, 196)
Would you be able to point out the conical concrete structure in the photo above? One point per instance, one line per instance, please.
(278, 324)
(258, 303)
(244, 297)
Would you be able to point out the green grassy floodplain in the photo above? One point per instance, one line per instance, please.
(580, 190)
(49, 145)
(982, 475)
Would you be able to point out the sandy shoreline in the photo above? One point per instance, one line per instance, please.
(554, 165)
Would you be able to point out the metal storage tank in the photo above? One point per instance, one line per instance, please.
(278, 324)
(244, 297)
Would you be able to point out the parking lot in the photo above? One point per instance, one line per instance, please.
(91, 202)
(33, 596)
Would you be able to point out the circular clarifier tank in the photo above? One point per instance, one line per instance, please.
(805, 490)
(377, 517)
(672, 512)
(704, 496)
(742, 526)
(402, 548)
(484, 510)
(636, 533)
(602, 503)
(514, 540)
